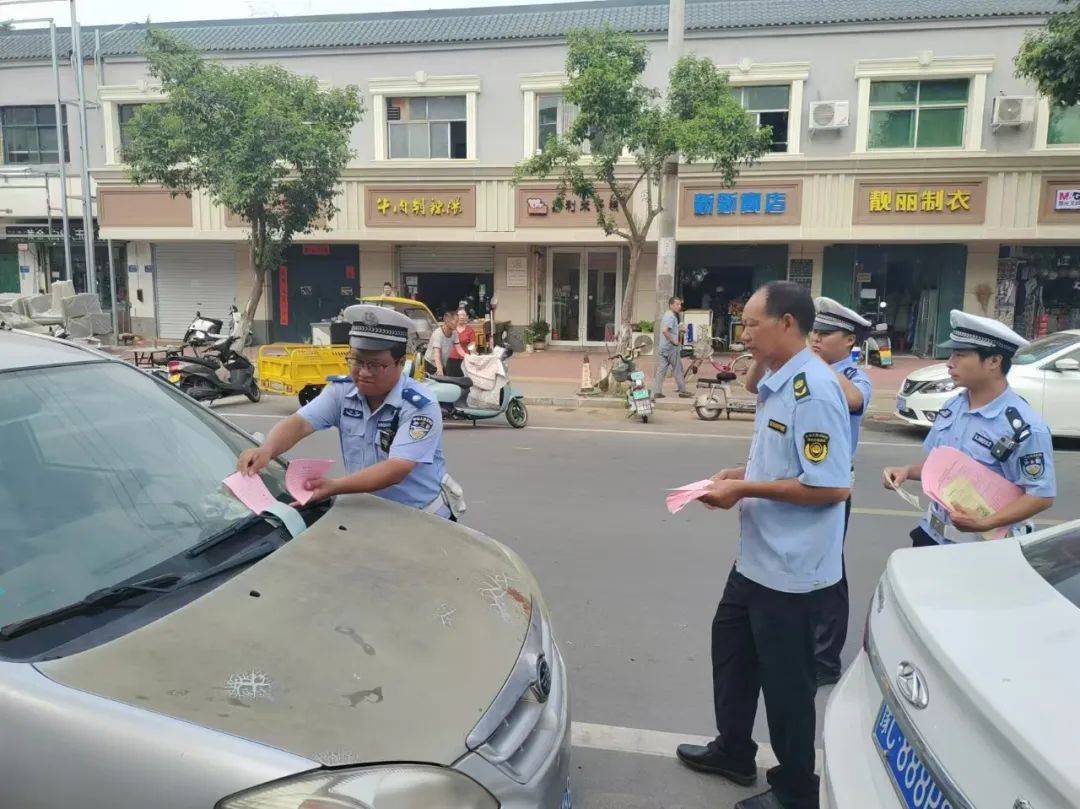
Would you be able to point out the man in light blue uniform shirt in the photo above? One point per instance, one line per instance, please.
(791, 495)
(836, 331)
(992, 424)
(390, 426)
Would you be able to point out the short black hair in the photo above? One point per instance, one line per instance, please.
(788, 298)
(987, 353)
(398, 351)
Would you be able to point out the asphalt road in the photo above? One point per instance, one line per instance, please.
(632, 590)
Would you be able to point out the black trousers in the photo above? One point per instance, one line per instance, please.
(832, 624)
(921, 539)
(763, 642)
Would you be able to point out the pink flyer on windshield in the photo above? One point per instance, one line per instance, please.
(300, 472)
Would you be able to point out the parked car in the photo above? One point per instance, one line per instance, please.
(964, 693)
(1046, 373)
(162, 646)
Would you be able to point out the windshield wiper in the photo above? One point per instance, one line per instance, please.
(242, 524)
(110, 596)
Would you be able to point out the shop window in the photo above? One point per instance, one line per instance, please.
(770, 104)
(1064, 128)
(29, 135)
(427, 127)
(918, 114)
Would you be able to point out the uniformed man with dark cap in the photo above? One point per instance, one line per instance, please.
(390, 425)
(991, 423)
(836, 331)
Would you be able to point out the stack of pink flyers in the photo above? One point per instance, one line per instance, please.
(679, 498)
(951, 478)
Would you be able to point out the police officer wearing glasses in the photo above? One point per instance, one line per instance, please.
(390, 425)
(991, 423)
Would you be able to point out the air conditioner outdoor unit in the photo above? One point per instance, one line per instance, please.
(1013, 110)
(828, 114)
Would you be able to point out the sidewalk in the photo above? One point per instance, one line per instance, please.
(553, 377)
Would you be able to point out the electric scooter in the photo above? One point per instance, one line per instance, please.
(623, 369)
(452, 393)
(218, 371)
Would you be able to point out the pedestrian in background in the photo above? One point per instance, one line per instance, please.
(993, 424)
(837, 329)
(440, 346)
(791, 494)
(466, 343)
(668, 351)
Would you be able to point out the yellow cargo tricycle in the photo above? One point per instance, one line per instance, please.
(301, 370)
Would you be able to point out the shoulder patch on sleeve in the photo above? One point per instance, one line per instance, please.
(420, 426)
(415, 397)
(815, 447)
(851, 372)
(799, 386)
(1033, 466)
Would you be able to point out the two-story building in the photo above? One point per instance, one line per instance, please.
(911, 171)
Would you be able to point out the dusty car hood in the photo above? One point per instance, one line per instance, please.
(379, 634)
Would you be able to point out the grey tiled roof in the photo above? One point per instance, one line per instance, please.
(516, 23)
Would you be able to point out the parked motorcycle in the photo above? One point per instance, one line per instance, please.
(623, 369)
(453, 394)
(214, 370)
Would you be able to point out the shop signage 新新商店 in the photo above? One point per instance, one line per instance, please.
(413, 207)
(924, 202)
(778, 203)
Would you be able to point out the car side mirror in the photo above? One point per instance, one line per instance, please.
(1067, 364)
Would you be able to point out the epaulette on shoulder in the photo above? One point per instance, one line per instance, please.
(800, 386)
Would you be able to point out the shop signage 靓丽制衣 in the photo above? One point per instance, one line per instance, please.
(939, 202)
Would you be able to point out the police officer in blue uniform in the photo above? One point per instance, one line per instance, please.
(390, 425)
(791, 494)
(991, 423)
(837, 329)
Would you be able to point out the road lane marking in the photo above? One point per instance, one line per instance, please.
(651, 742)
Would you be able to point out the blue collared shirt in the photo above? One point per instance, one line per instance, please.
(857, 376)
(364, 435)
(974, 432)
(801, 430)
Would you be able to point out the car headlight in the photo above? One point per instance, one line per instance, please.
(940, 387)
(392, 786)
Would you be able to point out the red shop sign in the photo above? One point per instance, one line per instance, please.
(283, 295)
(316, 249)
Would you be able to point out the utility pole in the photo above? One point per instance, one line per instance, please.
(84, 149)
(665, 243)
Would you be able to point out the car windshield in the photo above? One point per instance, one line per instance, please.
(1041, 349)
(1057, 560)
(106, 472)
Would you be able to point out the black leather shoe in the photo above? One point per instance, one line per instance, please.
(659, 396)
(766, 800)
(712, 759)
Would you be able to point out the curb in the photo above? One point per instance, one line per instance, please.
(611, 403)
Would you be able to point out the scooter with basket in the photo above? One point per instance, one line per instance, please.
(625, 371)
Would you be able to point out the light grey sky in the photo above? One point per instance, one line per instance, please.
(109, 12)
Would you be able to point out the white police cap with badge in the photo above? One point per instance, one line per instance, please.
(972, 332)
(834, 316)
(377, 328)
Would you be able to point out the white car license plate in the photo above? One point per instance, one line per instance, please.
(901, 403)
(914, 782)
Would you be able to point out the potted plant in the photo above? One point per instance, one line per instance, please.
(642, 327)
(536, 334)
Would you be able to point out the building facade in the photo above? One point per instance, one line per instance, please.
(911, 172)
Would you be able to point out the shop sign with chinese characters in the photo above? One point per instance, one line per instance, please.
(1059, 201)
(943, 202)
(540, 207)
(775, 204)
(410, 207)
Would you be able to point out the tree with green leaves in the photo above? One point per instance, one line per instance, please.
(626, 135)
(267, 144)
(1050, 57)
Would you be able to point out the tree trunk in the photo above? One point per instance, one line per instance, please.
(623, 334)
(247, 316)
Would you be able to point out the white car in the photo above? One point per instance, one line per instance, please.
(964, 694)
(1046, 373)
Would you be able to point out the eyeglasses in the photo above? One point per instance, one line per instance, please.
(371, 367)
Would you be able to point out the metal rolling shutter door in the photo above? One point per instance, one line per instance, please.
(468, 258)
(190, 278)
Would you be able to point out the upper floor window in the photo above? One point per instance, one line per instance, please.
(29, 135)
(124, 114)
(424, 127)
(554, 115)
(770, 104)
(926, 114)
(1064, 128)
